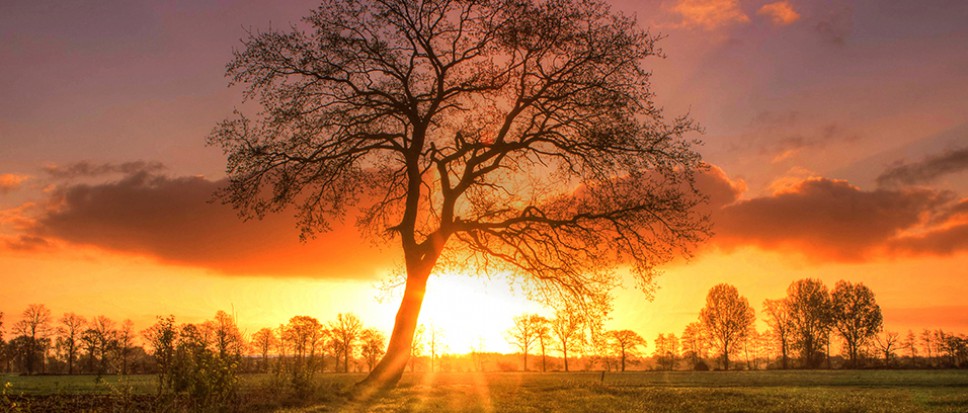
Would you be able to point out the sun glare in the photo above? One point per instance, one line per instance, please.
(472, 313)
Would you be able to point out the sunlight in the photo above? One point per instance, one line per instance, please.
(472, 313)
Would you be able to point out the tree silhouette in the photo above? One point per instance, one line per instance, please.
(373, 344)
(625, 343)
(778, 318)
(514, 135)
(543, 333)
(567, 328)
(524, 333)
(695, 343)
(810, 315)
(856, 315)
(346, 331)
(70, 335)
(35, 326)
(727, 317)
(262, 342)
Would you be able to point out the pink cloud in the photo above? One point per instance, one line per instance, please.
(710, 14)
(781, 13)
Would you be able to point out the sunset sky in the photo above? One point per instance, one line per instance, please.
(837, 131)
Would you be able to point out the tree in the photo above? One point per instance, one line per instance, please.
(373, 345)
(727, 317)
(125, 341)
(304, 335)
(262, 342)
(434, 337)
(695, 343)
(543, 334)
(885, 343)
(70, 335)
(856, 315)
(162, 337)
(625, 343)
(34, 324)
(417, 345)
(103, 340)
(809, 306)
(519, 135)
(567, 328)
(666, 351)
(778, 318)
(911, 343)
(346, 331)
(524, 333)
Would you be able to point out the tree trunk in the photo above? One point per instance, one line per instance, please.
(564, 353)
(388, 371)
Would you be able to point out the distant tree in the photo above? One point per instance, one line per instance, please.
(856, 315)
(927, 339)
(305, 336)
(125, 342)
(262, 343)
(567, 327)
(435, 338)
(524, 333)
(346, 330)
(727, 317)
(162, 337)
(781, 326)
(808, 303)
(886, 343)
(228, 340)
(104, 338)
(911, 343)
(35, 325)
(70, 330)
(695, 342)
(625, 344)
(543, 333)
(520, 135)
(373, 345)
(417, 345)
(666, 351)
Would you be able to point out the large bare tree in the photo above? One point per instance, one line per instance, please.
(503, 135)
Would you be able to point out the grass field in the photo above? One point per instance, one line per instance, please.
(753, 391)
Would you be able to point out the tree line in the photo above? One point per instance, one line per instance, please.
(803, 328)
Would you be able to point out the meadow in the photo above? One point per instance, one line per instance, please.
(741, 391)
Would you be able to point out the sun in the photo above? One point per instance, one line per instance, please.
(473, 313)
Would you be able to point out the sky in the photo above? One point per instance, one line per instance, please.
(837, 131)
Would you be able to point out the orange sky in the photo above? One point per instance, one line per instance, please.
(837, 129)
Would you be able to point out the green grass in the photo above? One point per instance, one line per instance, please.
(753, 391)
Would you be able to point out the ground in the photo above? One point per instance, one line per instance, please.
(751, 391)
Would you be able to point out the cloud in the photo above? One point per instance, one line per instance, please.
(710, 14)
(780, 13)
(88, 169)
(943, 241)
(173, 220)
(837, 26)
(825, 219)
(22, 243)
(927, 169)
(11, 182)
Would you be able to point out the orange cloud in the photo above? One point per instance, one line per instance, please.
(174, 220)
(710, 14)
(10, 182)
(781, 13)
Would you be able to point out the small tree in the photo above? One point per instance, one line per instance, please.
(567, 327)
(808, 303)
(543, 334)
(695, 343)
(625, 344)
(34, 325)
(856, 315)
(373, 345)
(346, 330)
(524, 333)
(262, 343)
(727, 317)
(72, 325)
(162, 337)
(886, 344)
(778, 318)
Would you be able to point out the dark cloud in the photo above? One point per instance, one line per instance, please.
(927, 169)
(785, 134)
(944, 241)
(88, 169)
(173, 219)
(836, 27)
(824, 219)
(26, 243)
